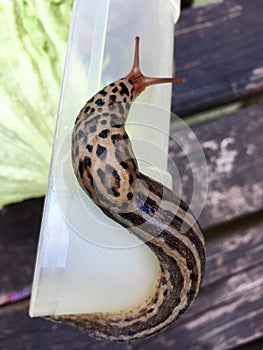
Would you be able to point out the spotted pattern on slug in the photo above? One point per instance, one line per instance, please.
(101, 151)
(106, 169)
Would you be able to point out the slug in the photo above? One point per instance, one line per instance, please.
(106, 169)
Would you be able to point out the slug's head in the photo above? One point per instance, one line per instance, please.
(139, 80)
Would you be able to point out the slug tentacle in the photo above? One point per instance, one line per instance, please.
(106, 168)
(140, 81)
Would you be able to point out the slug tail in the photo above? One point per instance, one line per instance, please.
(141, 81)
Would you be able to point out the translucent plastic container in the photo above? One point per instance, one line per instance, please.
(86, 262)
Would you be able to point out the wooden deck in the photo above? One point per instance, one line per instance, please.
(219, 49)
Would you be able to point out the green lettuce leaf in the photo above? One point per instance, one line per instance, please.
(33, 46)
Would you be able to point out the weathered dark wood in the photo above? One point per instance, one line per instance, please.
(228, 311)
(219, 50)
(233, 149)
(232, 193)
(19, 231)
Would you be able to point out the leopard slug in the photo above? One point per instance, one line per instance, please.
(107, 170)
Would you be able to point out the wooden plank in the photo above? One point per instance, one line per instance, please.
(219, 52)
(19, 231)
(227, 313)
(232, 145)
(233, 149)
(229, 310)
(232, 193)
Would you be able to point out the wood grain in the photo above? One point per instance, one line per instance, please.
(230, 300)
(220, 53)
(233, 149)
(19, 231)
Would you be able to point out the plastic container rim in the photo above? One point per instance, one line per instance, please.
(176, 8)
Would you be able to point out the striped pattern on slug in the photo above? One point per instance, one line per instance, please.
(107, 170)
